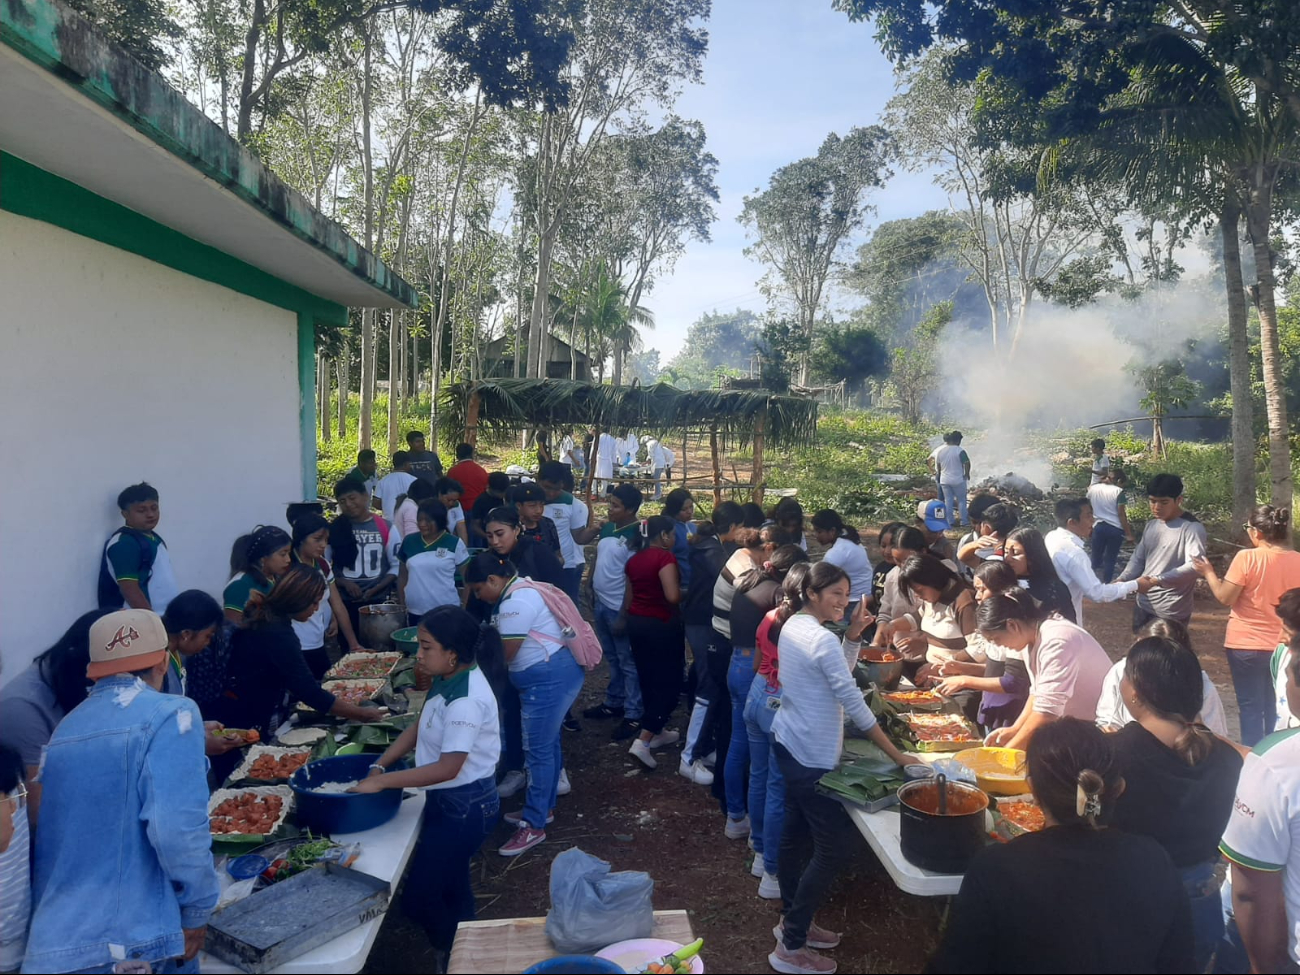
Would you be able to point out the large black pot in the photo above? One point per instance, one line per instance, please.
(943, 823)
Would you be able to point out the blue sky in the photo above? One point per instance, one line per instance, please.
(780, 76)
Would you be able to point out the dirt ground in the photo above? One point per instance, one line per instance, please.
(661, 823)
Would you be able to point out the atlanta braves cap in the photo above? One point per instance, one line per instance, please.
(126, 641)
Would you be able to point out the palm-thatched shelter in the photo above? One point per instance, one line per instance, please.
(739, 417)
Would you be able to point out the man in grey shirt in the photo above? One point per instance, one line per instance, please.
(1171, 541)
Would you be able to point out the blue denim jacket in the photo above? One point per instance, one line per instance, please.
(123, 852)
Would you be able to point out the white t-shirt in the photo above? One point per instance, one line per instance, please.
(1263, 832)
(569, 513)
(1281, 660)
(607, 578)
(390, 488)
(852, 558)
(949, 461)
(431, 571)
(1112, 712)
(1105, 500)
(454, 517)
(460, 715)
(311, 633)
(520, 612)
(1102, 464)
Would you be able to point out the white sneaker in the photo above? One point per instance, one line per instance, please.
(512, 783)
(756, 868)
(769, 888)
(695, 772)
(563, 788)
(640, 750)
(711, 759)
(737, 829)
(664, 739)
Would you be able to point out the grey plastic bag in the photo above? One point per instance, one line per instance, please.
(592, 907)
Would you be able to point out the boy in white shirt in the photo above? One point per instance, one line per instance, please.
(952, 467)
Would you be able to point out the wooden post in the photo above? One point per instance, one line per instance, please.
(471, 418)
(591, 461)
(717, 467)
(684, 442)
(759, 427)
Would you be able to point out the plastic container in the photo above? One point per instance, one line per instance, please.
(247, 866)
(998, 771)
(341, 812)
(576, 965)
(405, 640)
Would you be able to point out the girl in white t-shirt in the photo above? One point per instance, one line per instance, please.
(457, 743)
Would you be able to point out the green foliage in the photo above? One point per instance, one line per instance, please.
(1167, 386)
(850, 352)
(914, 366)
(783, 344)
(714, 342)
(142, 28)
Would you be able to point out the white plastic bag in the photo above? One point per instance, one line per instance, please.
(592, 907)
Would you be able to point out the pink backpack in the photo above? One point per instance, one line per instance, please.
(575, 632)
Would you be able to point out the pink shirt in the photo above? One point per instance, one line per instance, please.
(1067, 669)
(404, 518)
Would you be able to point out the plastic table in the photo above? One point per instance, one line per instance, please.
(881, 831)
(385, 852)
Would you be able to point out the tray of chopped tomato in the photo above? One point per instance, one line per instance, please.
(915, 700)
(249, 815)
(1015, 815)
(940, 732)
(352, 691)
(364, 665)
(270, 764)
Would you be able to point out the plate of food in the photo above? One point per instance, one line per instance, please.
(1014, 815)
(251, 814)
(940, 732)
(351, 691)
(246, 736)
(656, 956)
(271, 764)
(364, 666)
(915, 700)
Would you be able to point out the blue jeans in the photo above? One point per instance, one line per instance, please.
(954, 498)
(766, 786)
(512, 731)
(1207, 911)
(1106, 542)
(439, 894)
(740, 674)
(547, 690)
(1253, 681)
(624, 689)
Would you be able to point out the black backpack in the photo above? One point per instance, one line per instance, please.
(110, 596)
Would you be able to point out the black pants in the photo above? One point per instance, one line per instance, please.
(659, 650)
(814, 821)
(717, 721)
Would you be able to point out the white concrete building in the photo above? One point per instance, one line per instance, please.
(159, 293)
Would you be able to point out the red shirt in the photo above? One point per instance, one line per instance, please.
(647, 590)
(768, 658)
(472, 479)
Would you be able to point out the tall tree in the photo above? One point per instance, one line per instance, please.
(808, 211)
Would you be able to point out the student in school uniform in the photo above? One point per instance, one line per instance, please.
(395, 484)
(430, 559)
(570, 515)
(449, 492)
(256, 560)
(136, 568)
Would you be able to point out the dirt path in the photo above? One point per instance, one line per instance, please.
(661, 823)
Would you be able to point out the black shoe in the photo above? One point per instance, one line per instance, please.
(601, 712)
(571, 723)
(627, 729)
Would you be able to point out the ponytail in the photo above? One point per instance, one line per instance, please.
(1073, 772)
(791, 596)
(997, 612)
(650, 528)
(487, 564)
(1166, 677)
(1271, 523)
(827, 520)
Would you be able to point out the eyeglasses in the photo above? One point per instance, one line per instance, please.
(17, 797)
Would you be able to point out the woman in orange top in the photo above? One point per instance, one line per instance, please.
(1254, 583)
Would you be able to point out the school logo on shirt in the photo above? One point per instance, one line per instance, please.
(123, 638)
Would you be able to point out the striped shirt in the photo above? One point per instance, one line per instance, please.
(818, 689)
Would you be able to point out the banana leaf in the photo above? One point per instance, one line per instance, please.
(860, 785)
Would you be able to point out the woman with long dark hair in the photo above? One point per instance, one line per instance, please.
(256, 559)
(1181, 776)
(818, 690)
(1074, 896)
(1026, 552)
(679, 505)
(456, 742)
(547, 678)
(311, 537)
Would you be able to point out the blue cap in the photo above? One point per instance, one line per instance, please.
(934, 514)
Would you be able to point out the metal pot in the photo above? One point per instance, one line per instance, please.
(378, 623)
(942, 823)
(885, 674)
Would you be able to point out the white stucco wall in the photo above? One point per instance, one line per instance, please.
(114, 370)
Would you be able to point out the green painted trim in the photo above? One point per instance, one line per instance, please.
(307, 402)
(61, 41)
(30, 191)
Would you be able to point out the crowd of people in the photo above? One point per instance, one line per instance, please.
(111, 739)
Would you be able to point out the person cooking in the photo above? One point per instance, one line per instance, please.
(457, 742)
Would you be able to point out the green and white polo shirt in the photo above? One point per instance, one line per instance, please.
(125, 555)
(460, 715)
(569, 514)
(431, 571)
(612, 553)
(239, 589)
(519, 613)
(1263, 832)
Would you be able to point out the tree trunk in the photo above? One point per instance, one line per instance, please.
(364, 432)
(471, 418)
(323, 397)
(364, 424)
(394, 378)
(404, 365)
(717, 466)
(537, 316)
(344, 382)
(1258, 221)
(1243, 401)
(760, 425)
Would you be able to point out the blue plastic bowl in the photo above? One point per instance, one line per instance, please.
(327, 813)
(576, 965)
(249, 865)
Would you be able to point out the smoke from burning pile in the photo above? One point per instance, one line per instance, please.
(1072, 368)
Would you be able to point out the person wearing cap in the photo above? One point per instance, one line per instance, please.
(932, 519)
(123, 868)
(530, 501)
